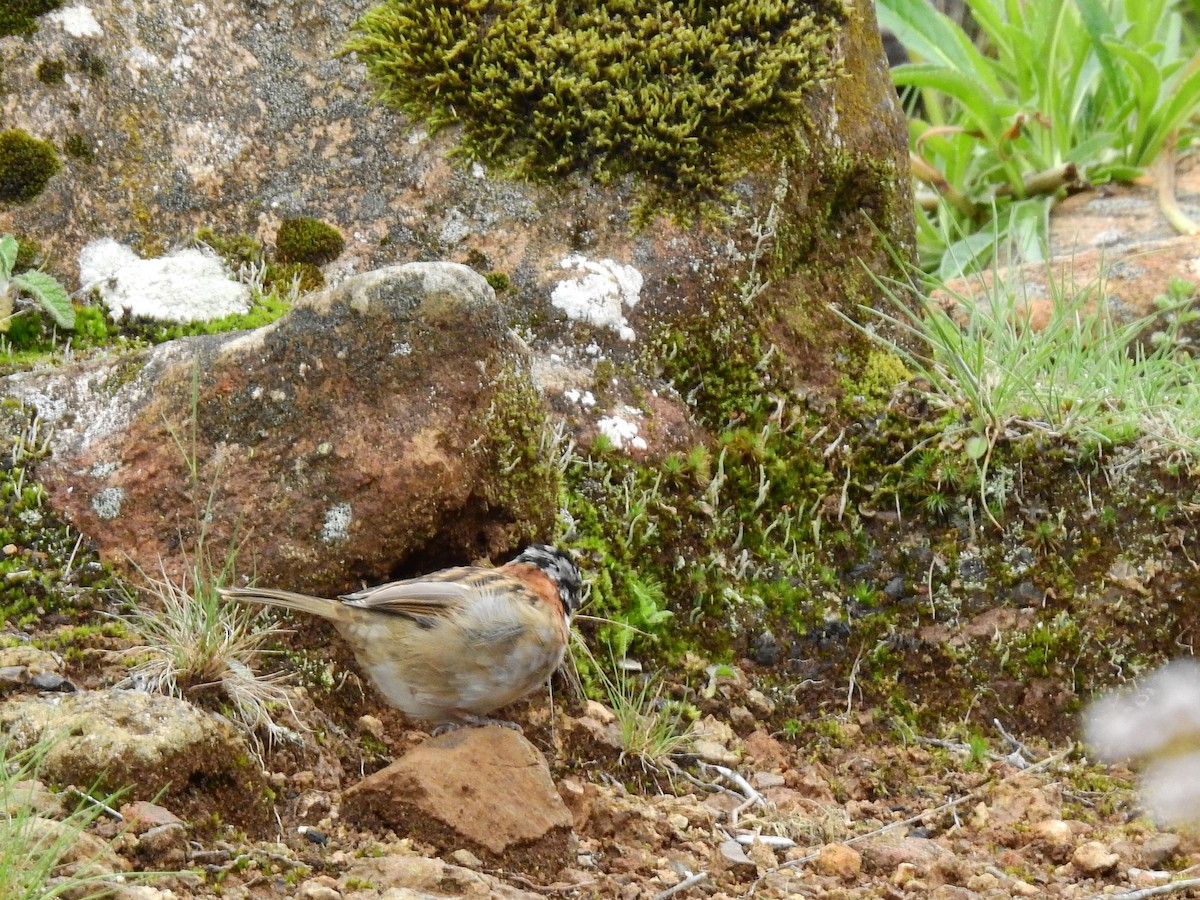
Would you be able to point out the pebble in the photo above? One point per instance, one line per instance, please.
(1094, 858)
(734, 856)
(839, 861)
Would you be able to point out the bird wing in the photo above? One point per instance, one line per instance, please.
(418, 597)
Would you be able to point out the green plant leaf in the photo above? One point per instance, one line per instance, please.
(8, 255)
(51, 295)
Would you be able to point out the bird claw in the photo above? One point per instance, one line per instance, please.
(475, 722)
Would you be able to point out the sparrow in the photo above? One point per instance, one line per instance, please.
(455, 645)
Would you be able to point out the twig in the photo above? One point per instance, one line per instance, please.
(774, 841)
(1020, 755)
(752, 796)
(1162, 889)
(104, 807)
(682, 886)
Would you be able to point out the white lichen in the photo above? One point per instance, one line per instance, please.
(188, 285)
(107, 504)
(599, 294)
(337, 523)
(621, 430)
(78, 21)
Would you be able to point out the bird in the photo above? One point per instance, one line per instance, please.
(455, 645)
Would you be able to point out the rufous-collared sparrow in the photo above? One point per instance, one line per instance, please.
(453, 646)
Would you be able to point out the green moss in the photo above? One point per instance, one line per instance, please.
(29, 253)
(38, 547)
(524, 481)
(612, 87)
(498, 280)
(19, 16)
(51, 71)
(92, 64)
(236, 249)
(79, 147)
(264, 309)
(26, 165)
(308, 240)
(304, 275)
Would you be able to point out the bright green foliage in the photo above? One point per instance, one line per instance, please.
(46, 290)
(1105, 85)
(26, 165)
(656, 88)
(34, 858)
(308, 240)
(1083, 378)
(18, 16)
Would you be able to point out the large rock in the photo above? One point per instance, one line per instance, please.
(150, 747)
(384, 423)
(486, 790)
(236, 115)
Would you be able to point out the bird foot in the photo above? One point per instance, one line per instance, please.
(469, 721)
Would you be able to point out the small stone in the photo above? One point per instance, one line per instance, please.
(839, 861)
(1158, 849)
(764, 780)
(1019, 888)
(734, 856)
(741, 718)
(763, 856)
(141, 815)
(759, 702)
(599, 712)
(905, 873)
(678, 821)
(12, 677)
(984, 881)
(51, 681)
(1094, 858)
(314, 890)
(373, 726)
(466, 858)
(1054, 839)
(713, 752)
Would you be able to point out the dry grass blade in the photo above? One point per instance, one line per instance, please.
(199, 647)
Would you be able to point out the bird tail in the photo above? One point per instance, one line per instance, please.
(317, 606)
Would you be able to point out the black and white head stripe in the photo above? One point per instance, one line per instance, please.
(562, 571)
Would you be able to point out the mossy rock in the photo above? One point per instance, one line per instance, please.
(614, 87)
(26, 165)
(308, 240)
(19, 16)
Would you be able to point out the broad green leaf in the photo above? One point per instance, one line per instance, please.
(8, 255)
(51, 295)
(977, 447)
(969, 91)
(934, 38)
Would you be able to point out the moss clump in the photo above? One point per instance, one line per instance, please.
(305, 276)
(51, 71)
(308, 240)
(26, 165)
(78, 146)
(498, 280)
(18, 16)
(615, 87)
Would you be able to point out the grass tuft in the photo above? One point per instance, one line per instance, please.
(43, 857)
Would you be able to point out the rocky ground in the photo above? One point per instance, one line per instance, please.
(850, 805)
